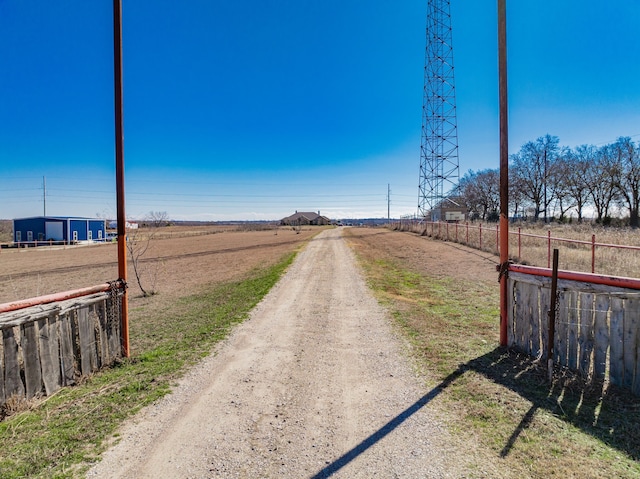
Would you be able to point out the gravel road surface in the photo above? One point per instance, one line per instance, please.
(315, 384)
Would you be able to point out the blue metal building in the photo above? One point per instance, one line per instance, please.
(66, 229)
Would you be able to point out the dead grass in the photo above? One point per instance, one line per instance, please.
(499, 401)
(528, 244)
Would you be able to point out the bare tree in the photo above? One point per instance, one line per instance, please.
(517, 200)
(157, 219)
(578, 164)
(533, 165)
(602, 182)
(560, 180)
(480, 192)
(627, 161)
(139, 242)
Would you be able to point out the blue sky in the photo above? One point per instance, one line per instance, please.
(251, 110)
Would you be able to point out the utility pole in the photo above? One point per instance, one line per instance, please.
(388, 202)
(44, 195)
(545, 184)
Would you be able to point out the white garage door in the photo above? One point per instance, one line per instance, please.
(53, 230)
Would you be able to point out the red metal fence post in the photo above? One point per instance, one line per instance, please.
(519, 245)
(593, 253)
(549, 249)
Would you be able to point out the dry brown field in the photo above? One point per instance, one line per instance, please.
(178, 262)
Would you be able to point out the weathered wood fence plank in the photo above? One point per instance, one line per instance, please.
(562, 320)
(534, 334)
(633, 310)
(572, 328)
(87, 341)
(629, 341)
(512, 304)
(601, 336)
(49, 354)
(541, 338)
(104, 356)
(12, 381)
(31, 358)
(67, 361)
(586, 333)
(597, 330)
(616, 341)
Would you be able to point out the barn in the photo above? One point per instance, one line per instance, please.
(65, 229)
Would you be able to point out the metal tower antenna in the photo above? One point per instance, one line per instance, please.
(439, 147)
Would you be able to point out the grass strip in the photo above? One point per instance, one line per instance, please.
(500, 398)
(62, 436)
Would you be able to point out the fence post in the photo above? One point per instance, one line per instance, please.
(456, 232)
(467, 233)
(447, 231)
(480, 236)
(593, 253)
(519, 244)
(549, 249)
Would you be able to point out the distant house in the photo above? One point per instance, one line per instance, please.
(128, 225)
(304, 219)
(58, 228)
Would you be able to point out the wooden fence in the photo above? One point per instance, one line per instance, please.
(597, 329)
(52, 345)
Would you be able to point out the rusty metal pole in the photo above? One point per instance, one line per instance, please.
(122, 219)
(504, 168)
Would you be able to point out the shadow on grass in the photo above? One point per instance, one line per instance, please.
(611, 415)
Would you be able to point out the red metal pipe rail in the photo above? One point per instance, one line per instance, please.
(52, 298)
(616, 281)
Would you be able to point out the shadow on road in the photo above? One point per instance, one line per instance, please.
(610, 415)
(388, 427)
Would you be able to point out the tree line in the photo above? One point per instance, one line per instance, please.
(549, 181)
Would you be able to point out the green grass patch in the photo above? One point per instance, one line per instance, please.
(500, 398)
(69, 430)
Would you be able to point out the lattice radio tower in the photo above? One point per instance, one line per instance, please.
(439, 167)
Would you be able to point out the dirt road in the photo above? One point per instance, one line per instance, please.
(314, 384)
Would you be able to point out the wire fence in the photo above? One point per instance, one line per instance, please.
(586, 255)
